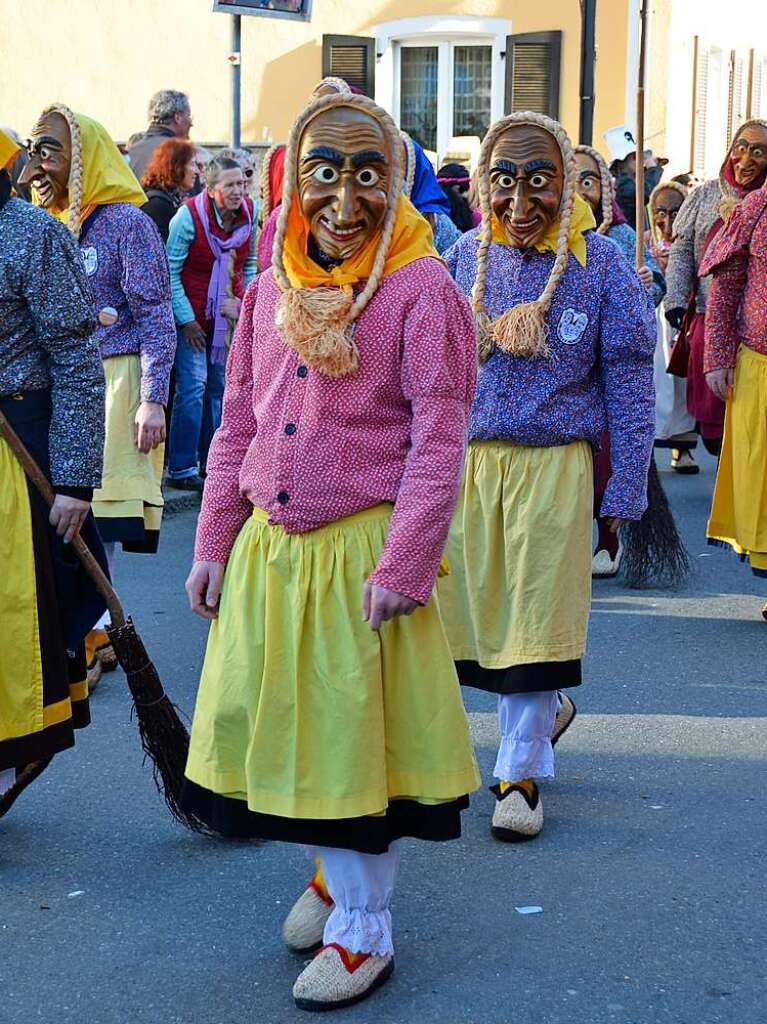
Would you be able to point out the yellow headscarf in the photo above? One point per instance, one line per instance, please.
(411, 240)
(9, 150)
(581, 222)
(106, 176)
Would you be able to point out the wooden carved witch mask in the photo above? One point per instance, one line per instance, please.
(344, 169)
(527, 179)
(589, 182)
(50, 160)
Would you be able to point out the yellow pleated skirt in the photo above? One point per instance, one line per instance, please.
(130, 499)
(519, 550)
(739, 508)
(303, 711)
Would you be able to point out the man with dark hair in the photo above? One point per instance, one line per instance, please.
(170, 117)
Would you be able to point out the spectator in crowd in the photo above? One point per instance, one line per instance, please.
(170, 117)
(212, 261)
(245, 159)
(168, 179)
(454, 179)
(688, 180)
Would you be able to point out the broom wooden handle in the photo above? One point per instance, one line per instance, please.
(639, 210)
(79, 546)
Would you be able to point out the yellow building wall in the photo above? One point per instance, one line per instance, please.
(106, 57)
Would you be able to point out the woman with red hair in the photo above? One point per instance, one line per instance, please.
(169, 176)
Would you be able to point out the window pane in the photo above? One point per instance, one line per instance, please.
(418, 93)
(472, 76)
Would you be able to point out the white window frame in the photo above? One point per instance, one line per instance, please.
(443, 32)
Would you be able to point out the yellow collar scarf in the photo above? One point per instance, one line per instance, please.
(9, 150)
(411, 240)
(581, 222)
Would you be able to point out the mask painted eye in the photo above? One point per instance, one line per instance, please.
(367, 177)
(44, 153)
(539, 181)
(588, 183)
(757, 153)
(326, 174)
(504, 181)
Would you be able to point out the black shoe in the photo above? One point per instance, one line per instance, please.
(186, 483)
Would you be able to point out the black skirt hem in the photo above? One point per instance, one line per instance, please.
(38, 746)
(131, 533)
(233, 819)
(542, 675)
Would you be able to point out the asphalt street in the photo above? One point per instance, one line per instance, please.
(650, 869)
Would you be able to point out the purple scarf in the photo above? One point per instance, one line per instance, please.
(219, 277)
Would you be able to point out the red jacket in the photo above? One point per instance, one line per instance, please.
(195, 277)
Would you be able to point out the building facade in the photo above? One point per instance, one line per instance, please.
(444, 68)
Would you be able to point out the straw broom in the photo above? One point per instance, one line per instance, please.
(654, 554)
(164, 737)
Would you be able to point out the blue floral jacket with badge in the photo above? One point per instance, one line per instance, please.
(599, 375)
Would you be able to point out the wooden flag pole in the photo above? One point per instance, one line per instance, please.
(640, 135)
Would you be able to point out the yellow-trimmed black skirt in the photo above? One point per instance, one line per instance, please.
(46, 607)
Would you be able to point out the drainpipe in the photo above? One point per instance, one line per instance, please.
(234, 59)
(588, 60)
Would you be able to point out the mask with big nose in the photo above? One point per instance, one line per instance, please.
(527, 179)
(344, 169)
(50, 161)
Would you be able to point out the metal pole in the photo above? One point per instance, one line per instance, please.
(236, 80)
(588, 60)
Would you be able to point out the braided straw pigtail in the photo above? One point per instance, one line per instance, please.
(730, 198)
(521, 330)
(265, 206)
(316, 321)
(75, 184)
(607, 189)
(663, 186)
(331, 82)
(407, 184)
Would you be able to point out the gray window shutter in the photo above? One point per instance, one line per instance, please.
(533, 62)
(352, 58)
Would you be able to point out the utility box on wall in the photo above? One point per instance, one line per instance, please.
(299, 10)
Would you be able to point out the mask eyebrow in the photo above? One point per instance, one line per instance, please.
(44, 140)
(504, 165)
(325, 153)
(368, 156)
(586, 174)
(539, 165)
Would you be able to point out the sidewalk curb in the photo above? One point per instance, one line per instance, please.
(179, 501)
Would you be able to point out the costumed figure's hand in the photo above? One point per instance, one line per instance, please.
(615, 523)
(195, 336)
(203, 588)
(675, 317)
(230, 307)
(721, 382)
(645, 276)
(68, 515)
(149, 426)
(380, 604)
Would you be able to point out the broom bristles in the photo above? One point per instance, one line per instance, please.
(654, 555)
(164, 737)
